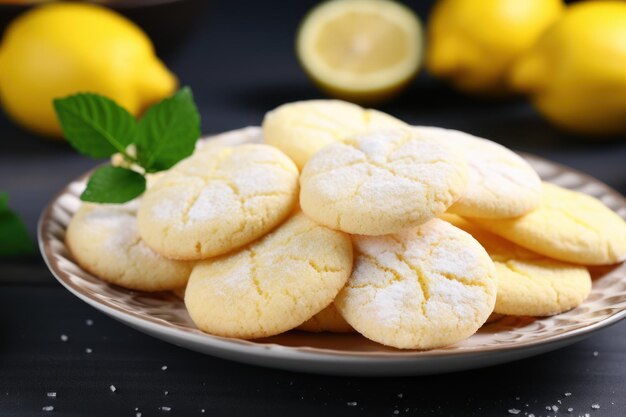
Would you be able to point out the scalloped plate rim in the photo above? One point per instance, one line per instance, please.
(300, 357)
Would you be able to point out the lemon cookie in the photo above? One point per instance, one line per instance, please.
(103, 240)
(302, 128)
(327, 320)
(568, 226)
(529, 284)
(271, 285)
(214, 202)
(381, 182)
(423, 288)
(501, 184)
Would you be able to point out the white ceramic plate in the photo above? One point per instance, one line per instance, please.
(163, 314)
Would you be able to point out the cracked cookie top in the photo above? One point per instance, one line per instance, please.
(568, 226)
(272, 285)
(501, 184)
(302, 128)
(529, 284)
(382, 182)
(103, 239)
(423, 288)
(218, 200)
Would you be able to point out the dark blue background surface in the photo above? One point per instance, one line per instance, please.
(240, 63)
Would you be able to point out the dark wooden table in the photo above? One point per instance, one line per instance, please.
(240, 63)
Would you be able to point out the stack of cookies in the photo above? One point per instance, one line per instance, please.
(346, 219)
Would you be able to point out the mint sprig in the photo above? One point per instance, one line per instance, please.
(98, 127)
(14, 239)
(176, 122)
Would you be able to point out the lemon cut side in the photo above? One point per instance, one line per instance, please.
(363, 50)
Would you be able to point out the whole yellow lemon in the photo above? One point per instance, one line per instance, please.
(473, 43)
(576, 73)
(64, 48)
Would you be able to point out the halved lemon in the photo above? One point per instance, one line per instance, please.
(361, 50)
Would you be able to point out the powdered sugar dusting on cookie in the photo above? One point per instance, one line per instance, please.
(105, 241)
(381, 182)
(217, 200)
(425, 287)
(389, 303)
(500, 183)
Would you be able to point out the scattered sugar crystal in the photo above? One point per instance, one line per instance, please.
(136, 408)
(88, 350)
(351, 403)
(400, 395)
(47, 408)
(595, 353)
(51, 394)
(137, 414)
(514, 411)
(166, 392)
(202, 411)
(64, 338)
(586, 414)
(531, 415)
(396, 412)
(548, 408)
(164, 368)
(112, 388)
(166, 408)
(517, 398)
(595, 406)
(558, 401)
(555, 408)
(567, 394)
(569, 410)
(89, 322)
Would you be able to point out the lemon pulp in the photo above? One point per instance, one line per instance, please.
(360, 49)
(344, 47)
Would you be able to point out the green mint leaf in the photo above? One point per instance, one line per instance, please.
(95, 125)
(168, 131)
(14, 239)
(113, 185)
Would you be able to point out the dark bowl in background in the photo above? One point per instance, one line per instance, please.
(167, 22)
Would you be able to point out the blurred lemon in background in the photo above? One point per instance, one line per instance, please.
(361, 50)
(472, 43)
(63, 48)
(576, 73)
